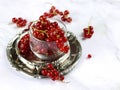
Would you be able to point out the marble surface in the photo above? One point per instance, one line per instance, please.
(101, 72)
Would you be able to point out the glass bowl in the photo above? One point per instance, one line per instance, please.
(48, 50)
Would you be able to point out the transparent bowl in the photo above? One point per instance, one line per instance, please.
(48, 50)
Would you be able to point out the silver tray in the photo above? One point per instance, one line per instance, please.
(33, 68)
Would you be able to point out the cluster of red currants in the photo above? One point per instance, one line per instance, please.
(88, 32)
(65, 17)
(50, 71)
(23, 45)
(54, 12)
(20, 22)
(51, 32)
(48, 30)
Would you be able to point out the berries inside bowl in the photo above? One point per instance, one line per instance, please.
(48, 39)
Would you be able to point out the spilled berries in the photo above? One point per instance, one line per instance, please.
(23, 45)
(50, 71)
(20, 22)
(55, 12)
(88, 32)
(49, 31)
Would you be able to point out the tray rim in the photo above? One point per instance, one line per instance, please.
(35, 66)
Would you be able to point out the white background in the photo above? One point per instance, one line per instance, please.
(101, 72)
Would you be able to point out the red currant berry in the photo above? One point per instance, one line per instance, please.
(50, 66)
(63, 18)
(57, 11)
(53, 8)
(91, 31)
(60, 45)
(66, 12)
(14, 20)
(66, 48)
(88, 32)
(85, 30)
(23, 45)
(44, 72)
(53, 78)
(69, 19)
(46, 14)
(19, 20)
(89, 56)
(61, 77)
(42, 18)
(90, 27)
(60, 13)
(25, 21)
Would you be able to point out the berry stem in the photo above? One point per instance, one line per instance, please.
(89, 24)
(90, 20)
(41, 31)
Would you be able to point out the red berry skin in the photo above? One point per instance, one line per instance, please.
(90, 27)
(60, 13)
(50, 15)
(23, 45)
(63, 18)
(61, 77)
(25, 21)
(88, 32)
(51, 72)
(56, 73)
(69, 19)
(20, 22)
(89, 56)
(85, 30)
(20, 18)
(87, 35)
(42, 18)
(91, 31)
(48, 39)
(38, 35)
(57, 11)
(18, 25)
(60, 45)
(53, 78)
(53, 8)
(46, 14)
(66, 48)
(66, 12)
(50, 66)
(44, 72)
(14, 20)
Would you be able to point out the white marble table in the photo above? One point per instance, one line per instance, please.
(101, 72)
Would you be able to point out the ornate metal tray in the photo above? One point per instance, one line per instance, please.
(33, 68)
